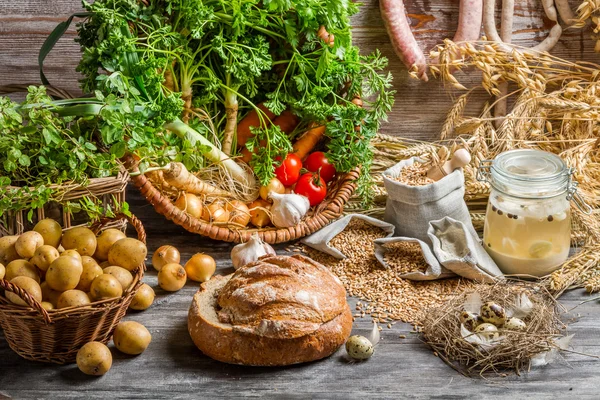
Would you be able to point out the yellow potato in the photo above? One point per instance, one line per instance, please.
(27, 284)
(8, 252)
(104, 264)
(27, 244)
(105, 240)
(21, 268)
(94, 358)
(106, 287)
(64, 273)
(50, 230)
(46, 305)
(73, 298)
(44, 256)
(81, 239)
(50, 295)
(72, 253)
(172, 277)
(127, 253)
(91, 270)
(123, 276)
(2, 271)
(131, 337)
(143, 298)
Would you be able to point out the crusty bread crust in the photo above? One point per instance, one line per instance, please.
(223, 342)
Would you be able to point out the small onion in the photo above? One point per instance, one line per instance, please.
(165, 255)
(215, 212)
(258, 216)
(200, 267)
(190, 204)
(238, 212)
(274, 186)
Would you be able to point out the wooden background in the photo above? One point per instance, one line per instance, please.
(420, 107)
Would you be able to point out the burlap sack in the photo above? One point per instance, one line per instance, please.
(411, 208)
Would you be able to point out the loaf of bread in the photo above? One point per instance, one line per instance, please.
(279, 310)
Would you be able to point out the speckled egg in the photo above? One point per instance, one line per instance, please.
(470, 320)
(359, 347)
(514, 324)
(492, 313)
(489, 331)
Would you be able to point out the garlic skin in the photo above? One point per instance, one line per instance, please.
(288, 209)
(250, 251)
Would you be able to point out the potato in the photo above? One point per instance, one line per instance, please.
(8, 252)
(50, 230)
(2, 271)
(143, 298)
(104, 264)
(91, 270)
(27, 284)
(81, 239)
(27, 244)
(50, 295)
(105, 287)
(46, 305)
(127, 253)
(72, 253)
(73, 298)
(123, 276)
(131, 337)
(172, 277)
(94, 358)
(21, 268)
(44, 256)
(105, 240)
(64, 273)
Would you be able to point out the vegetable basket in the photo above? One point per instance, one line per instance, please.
(104, 191)
(56, 336)
(330, 209)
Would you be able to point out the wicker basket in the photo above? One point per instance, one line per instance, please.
(330, 209)
(104, 190)
(57, 335)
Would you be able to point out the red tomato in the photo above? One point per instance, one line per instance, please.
(317, 160)
(312, 186)
(289, 170)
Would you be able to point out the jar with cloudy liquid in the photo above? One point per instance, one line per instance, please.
(527, 227)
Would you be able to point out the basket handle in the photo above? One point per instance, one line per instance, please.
(31, 302)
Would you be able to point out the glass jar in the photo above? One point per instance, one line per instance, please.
(527, 227)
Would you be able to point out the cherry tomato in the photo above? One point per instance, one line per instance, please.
(289, 170)
(317, 160)
(312, 186)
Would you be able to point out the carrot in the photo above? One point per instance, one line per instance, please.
(325, 36)
(309, 139)
(252, 119)
(179, 177)
(287, 122)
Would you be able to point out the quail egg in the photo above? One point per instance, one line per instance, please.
(514, 324)
(359, 347)
(488, 331)
(493, 313)
(470, 320)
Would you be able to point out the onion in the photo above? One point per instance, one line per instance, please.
(200, 267)
(238, 212)
(258, 213)
(190, 204)
(215, 213)
(165, 255)
(274, 185)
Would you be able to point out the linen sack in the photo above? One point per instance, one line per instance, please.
(411, 208)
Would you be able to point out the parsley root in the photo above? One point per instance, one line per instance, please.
(178, 176)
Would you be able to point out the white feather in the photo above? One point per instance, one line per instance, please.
(374, 336)
(473, 303)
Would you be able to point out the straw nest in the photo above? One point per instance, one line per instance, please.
(442, 331)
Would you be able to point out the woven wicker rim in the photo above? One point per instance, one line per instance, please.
(329, 210)
(36, 309)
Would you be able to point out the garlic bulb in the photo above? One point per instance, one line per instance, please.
(288, 209)
(250, 251)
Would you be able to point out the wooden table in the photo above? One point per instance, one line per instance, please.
(173, 368)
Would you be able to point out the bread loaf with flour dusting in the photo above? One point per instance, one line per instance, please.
(279, 310)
